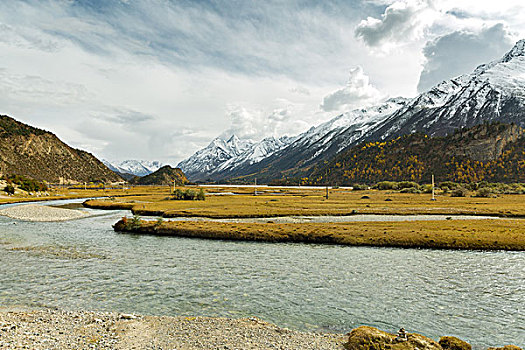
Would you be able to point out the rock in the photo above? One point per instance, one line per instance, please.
(127, 317)
(453, 343)
(365, 197)
(506, 347)
(370, 338)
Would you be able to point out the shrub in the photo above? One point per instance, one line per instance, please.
(359, 187)
(135, 222)
(25, 184)
(132, 224)
(485, 192)
(9, 189)
(159, 222)
(426, 188)
(386, 185)
(459, 192)
(200, 195)
(448, 186)
(178, 194)
(410, 190)
(188, 195)
(407, 184)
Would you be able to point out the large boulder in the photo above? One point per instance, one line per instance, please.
(453, 343)
(370, 338)
(507, 347)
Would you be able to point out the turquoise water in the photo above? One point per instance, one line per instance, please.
(83, 264)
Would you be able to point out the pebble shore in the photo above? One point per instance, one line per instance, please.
(41, 213)
(58, 329)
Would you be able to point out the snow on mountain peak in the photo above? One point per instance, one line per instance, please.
(134, 167)
(517, 51)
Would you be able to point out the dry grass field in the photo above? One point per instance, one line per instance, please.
(284, 202)
(229, 202)
(504, 234)
(507, 233)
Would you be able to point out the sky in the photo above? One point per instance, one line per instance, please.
(159, 79)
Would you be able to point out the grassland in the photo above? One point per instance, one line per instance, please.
(507, 233)
(504, 234)
(284, 202)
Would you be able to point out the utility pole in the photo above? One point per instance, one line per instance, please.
(433, 196)
(255, 191)
(327, 184)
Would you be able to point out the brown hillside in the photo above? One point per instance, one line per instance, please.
(39, 154)
(494, 153)
(163, 176)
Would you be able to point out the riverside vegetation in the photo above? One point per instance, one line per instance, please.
(506, 232)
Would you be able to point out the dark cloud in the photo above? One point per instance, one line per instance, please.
(460, 52)
(127, 117)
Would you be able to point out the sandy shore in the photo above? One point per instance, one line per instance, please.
(52, 329)
(35, 212)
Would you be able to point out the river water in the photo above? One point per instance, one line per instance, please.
(477, 296)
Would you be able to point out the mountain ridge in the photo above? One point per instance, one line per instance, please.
(41, 155)
(493, 92)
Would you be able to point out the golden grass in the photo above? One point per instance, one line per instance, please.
(312, 202)
(506, 234)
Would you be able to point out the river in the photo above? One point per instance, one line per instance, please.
(477, 296)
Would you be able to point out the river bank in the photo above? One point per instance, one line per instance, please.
(55, 329)
(59, 329)
(42, 213)
(500, 234)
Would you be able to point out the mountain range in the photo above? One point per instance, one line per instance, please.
(493, 92)
(133, 167)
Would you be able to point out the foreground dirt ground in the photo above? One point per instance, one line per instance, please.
(53, 329)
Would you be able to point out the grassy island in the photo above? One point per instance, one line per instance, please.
(450, 234)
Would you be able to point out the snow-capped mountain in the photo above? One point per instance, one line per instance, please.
(213, 163)
(493, 92)
(134, 167)
(206, 161)
(254, 154)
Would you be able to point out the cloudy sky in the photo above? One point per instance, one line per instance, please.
(158, 79)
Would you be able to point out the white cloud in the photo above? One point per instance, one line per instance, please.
(402, 21)
(258, 122)
(357, 92)
(460, 52)
(152, 78)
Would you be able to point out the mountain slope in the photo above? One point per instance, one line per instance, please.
(166, 175)
(494, 92)
(39, 154)
(487, 152)
(317, 144)
(206, 161)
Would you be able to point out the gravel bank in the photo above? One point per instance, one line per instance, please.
(52, 329)
(35, 212)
